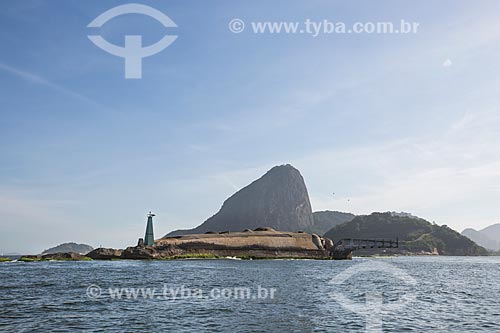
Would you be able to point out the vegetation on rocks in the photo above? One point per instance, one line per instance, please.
(415, 234)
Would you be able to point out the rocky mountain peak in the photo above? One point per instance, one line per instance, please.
(278, 199)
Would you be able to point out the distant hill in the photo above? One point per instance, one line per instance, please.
(278, 199)
(488, 237)
(493, 230)
(69, 247)
(325, 220)
(415, 234)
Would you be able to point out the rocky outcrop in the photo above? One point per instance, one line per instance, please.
(54, 256)
(105, 254)
(341, 253)
(136, 252)
(279, 199)
(262, 242)
(64, 256)
(140, 252)
(260, 237)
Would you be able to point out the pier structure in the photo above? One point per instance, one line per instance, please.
(343, 249)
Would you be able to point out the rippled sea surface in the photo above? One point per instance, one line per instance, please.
(408, 294)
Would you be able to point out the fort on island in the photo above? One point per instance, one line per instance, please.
(270, 218)
(260, 243)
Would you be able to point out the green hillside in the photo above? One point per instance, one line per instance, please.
(415, 234)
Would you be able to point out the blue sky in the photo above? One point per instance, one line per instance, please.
(378, 119)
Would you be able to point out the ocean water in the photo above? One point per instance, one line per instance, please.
(404, 294)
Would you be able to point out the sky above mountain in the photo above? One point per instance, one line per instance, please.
(386, 122)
